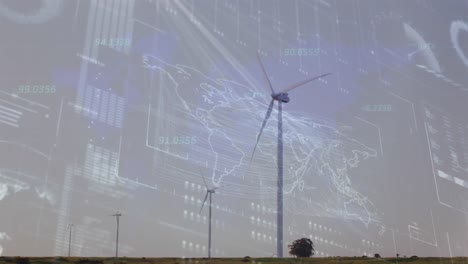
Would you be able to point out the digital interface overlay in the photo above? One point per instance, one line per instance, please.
(127, 105)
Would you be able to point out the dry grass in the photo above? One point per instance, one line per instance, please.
(331, 260)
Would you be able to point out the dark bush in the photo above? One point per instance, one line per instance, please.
(302, 248)
(246, 259)
(414, 257)
(377, 255)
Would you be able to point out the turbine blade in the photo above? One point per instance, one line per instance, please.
(267, 115)
(289, 88)
(206, 197)
(265, 74)
(201, 174)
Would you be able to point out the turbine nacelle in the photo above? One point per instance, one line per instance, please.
(282, 97)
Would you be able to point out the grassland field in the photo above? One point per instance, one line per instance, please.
(245, 260)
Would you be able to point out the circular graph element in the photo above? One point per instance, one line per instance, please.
(455, 29)
(423, 47)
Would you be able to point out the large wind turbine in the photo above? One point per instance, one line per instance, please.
(281, 97)
(209, 192)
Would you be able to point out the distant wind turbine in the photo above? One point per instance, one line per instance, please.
(281, 97)
(117, 216)
(209, 192)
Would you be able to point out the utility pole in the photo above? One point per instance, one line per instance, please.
(70, 227)
(117, 216)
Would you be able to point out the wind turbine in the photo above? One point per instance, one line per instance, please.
(69, 227)
(281, 97)
(209, 192)
(117, 216)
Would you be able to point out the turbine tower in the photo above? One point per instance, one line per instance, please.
(69, 227)
(281, 97)
(209, 192)
(117, 216)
